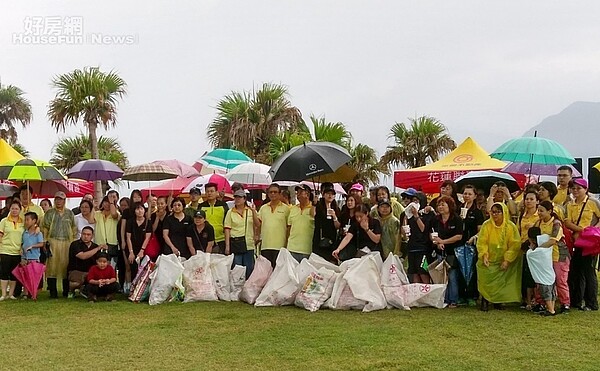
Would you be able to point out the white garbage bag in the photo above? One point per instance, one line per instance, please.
(317, 288)
(341, 295)
(304, 270)
(282, 287)
(392, 278)
(364, 279)
(257, 280)
(423, 295)
(163, 278)
(237, 279)
(220, 265)
(319, 262)
(197, 279)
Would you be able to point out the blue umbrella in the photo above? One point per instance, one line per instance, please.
(465, 255)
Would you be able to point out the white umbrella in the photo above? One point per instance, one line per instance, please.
(250, 174)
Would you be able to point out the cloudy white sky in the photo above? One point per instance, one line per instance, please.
(488, 70)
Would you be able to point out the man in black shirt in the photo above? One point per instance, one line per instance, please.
(81, 257)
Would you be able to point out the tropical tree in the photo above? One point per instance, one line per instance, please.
(21, 149)
(247, 121)
(88, 96)
(422, 140)
(366, 163)
(322, 131)
(14, 108)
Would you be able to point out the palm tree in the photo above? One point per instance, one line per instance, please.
(69, 151)
(247, 121)
(365, 162)
(424, 139)
(91, 96)
(14, 108)
(21, 149)
(322, 131)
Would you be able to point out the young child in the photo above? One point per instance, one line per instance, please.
(102, 279)
(33, 241)
(539, 258)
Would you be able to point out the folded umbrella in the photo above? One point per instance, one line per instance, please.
(30, 276)
(464, 255)
(589, 241)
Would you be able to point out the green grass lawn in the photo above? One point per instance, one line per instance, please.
(74, 334)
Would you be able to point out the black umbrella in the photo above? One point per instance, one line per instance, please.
(485, 179)
(309, 160)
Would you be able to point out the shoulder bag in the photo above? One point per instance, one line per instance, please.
(237, 245)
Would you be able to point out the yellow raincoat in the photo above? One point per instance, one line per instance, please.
(500, 243)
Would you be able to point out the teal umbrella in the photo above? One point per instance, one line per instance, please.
(224, 159)
(533, 150)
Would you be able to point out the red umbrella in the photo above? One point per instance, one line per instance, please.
(30, 276)
(199, 182)
(71, 187)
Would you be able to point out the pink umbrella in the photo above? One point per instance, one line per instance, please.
(164, 189)
(199, 182)
(183, 170)
(30, 276)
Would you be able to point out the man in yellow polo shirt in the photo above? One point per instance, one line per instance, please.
(215, 210)
(301, 224)
(28, 205)
(564, 174)
(273, 217)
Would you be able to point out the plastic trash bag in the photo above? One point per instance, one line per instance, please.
(220, 265)
(198, 280)
(423, 295)
(163, 278)
(364, 279)
(257, 280)
(342, 297)
(282, 287)
(393, 278)
(237, 279)
(317, 288)
(318, 262)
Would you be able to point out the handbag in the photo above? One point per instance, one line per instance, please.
(237, 245)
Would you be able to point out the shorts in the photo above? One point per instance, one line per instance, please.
(415, 262)
(7, 264)
(547, 292)
(527, 280)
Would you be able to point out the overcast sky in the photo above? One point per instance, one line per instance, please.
(488, 70)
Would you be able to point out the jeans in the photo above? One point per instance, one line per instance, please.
(246, 259)
(451, 296)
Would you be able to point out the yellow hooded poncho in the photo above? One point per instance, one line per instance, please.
(500, 243)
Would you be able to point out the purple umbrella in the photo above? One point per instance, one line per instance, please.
(95, 170)
(537, 169)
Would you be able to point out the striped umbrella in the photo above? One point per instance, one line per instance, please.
(29, 169)
(224, 159)
(149, 172)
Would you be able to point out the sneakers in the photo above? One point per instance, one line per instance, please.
(564, 309)
(547, 314)
(92, 298)
(110, 297)
(71, 295)
(2, 298)
(472, 303)
(584, 308)
(538, 308)
(452, 306)
(12, 297)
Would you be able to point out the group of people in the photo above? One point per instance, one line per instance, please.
(95, 250)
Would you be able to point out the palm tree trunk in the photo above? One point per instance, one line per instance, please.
(92, 126)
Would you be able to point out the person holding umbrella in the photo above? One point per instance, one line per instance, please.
(59, 229)
(240, 223)
(583, 211)
(564, 174)
(11, 234)
(472, 219)
(27, 204)
(301, 224)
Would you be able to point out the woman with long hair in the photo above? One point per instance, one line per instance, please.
(365, 233)
(138, 233)
(347, 213)
(326, 223)
(175, 229)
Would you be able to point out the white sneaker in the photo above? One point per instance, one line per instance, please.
(2, 298)
(12, 297)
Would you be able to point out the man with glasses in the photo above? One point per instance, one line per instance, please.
(273, 217)
(564, 174)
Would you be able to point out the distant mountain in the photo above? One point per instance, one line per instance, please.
(577, 127)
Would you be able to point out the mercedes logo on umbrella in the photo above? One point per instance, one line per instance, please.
(312, 167)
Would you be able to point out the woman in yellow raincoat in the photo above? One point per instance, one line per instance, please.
(499, 265)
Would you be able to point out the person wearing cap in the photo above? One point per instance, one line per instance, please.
(236, 186)
(564, 174)
(215, 210)
(583, 211)
(193, 206)
(407, 196)
(301, 224)
(273, 218)
(383, 193)
(240, 223)
(28, 205)
(357, 190)
(325, 236)
(59, 231)
(200, 235)
(390, 228)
